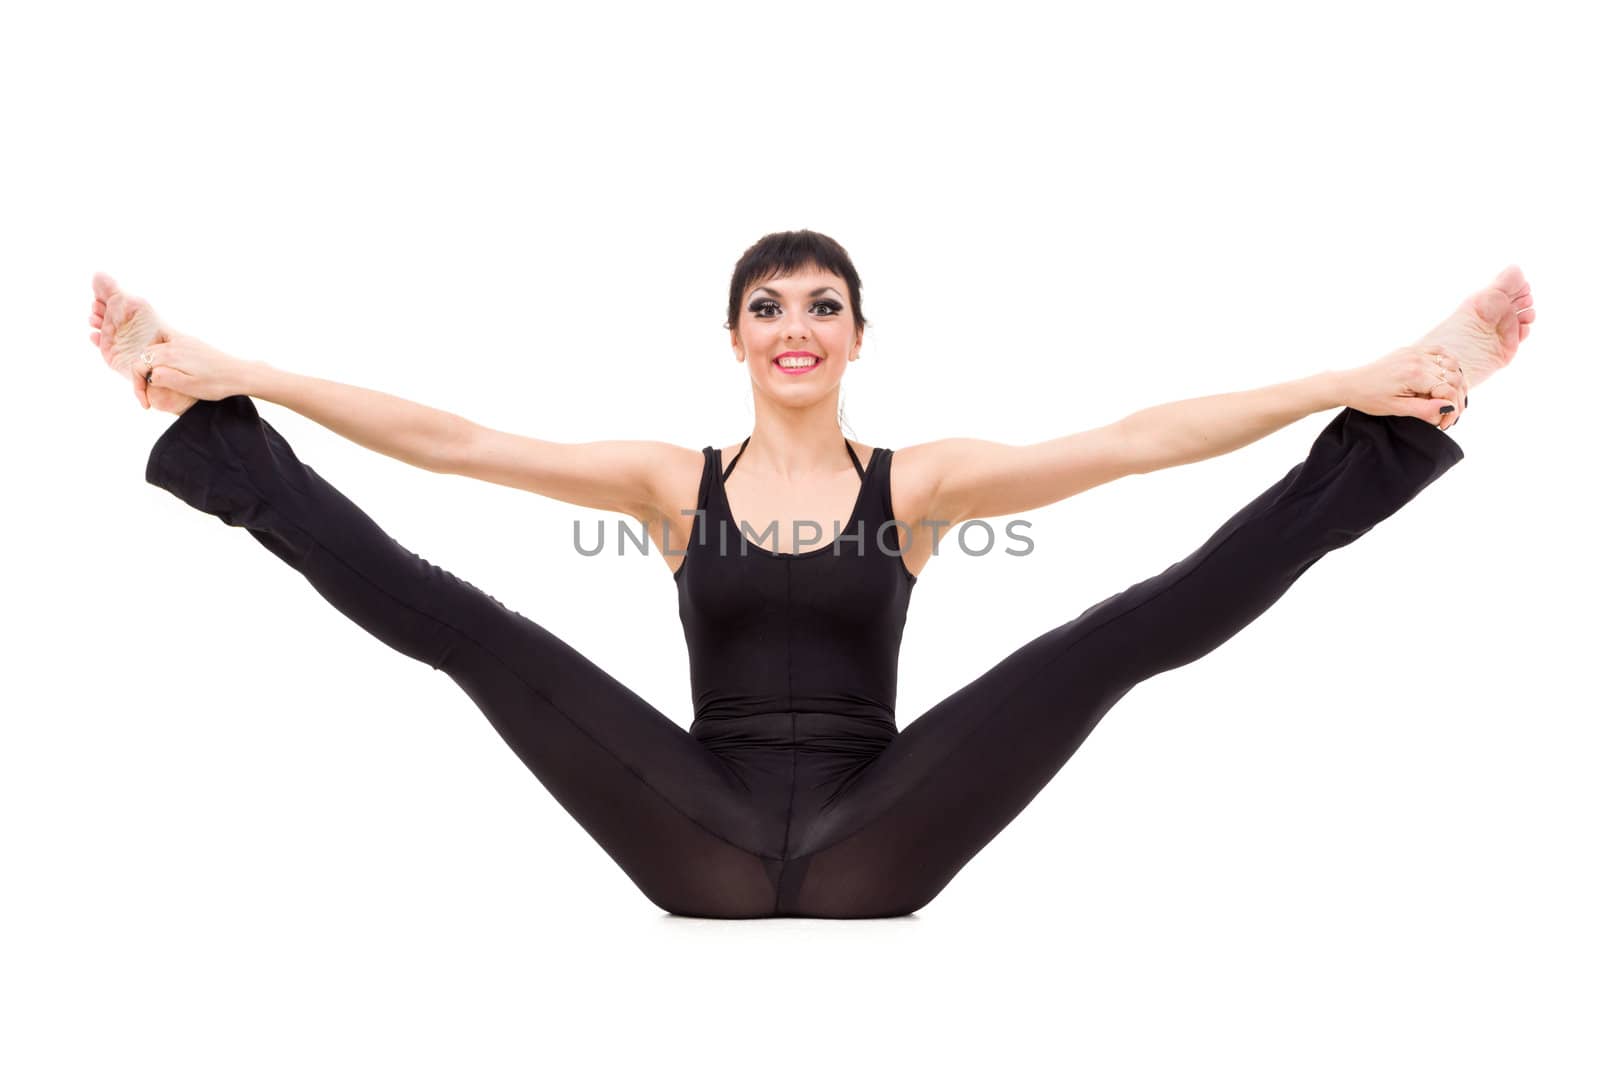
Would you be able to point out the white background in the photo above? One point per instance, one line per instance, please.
(239, 830)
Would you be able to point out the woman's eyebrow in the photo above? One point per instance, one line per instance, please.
(814, 292)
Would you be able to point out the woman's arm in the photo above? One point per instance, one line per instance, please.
(605, 475)
(1187, 431)
(967, 478)
(957, 479)
(412, 433)
(1413, 381)
(632, 477)
(421, 436)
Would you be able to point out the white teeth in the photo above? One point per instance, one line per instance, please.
(796, 361)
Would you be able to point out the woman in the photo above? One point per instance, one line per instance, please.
(794, 794)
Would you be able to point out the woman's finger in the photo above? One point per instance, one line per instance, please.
(1453, 399)
(1426, 409)
(144, 368)
(1440, 375)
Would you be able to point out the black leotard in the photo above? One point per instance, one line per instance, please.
(813, 634)
(794, 794)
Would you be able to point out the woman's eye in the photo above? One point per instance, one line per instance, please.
(830, 308)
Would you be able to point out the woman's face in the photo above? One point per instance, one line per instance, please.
(809, 313)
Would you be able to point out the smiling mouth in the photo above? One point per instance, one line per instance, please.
(803, 364)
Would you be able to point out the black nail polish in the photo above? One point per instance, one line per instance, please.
(1447, 409)
(1466, 401)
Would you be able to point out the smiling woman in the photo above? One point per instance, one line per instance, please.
(756, 287)
(794, 792)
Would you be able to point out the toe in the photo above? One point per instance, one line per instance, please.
(1510, 281)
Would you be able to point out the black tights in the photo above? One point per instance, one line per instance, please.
(852, 825)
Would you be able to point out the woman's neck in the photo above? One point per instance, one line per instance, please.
(797, 443)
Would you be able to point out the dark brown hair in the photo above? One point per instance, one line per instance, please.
(778, 254)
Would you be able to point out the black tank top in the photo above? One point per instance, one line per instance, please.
(811, 631)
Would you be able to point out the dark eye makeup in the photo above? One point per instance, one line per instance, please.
(758, 306)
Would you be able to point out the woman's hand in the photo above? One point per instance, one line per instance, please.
(187, 365)
(1413, 380)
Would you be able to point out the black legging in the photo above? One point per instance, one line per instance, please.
(854, 827)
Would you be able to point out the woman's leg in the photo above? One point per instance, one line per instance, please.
(953, 779)
(661, 805)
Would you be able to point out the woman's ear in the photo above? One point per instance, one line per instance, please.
(733, 339)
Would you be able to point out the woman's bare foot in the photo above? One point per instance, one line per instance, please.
(126, 326)
(1484, 332)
